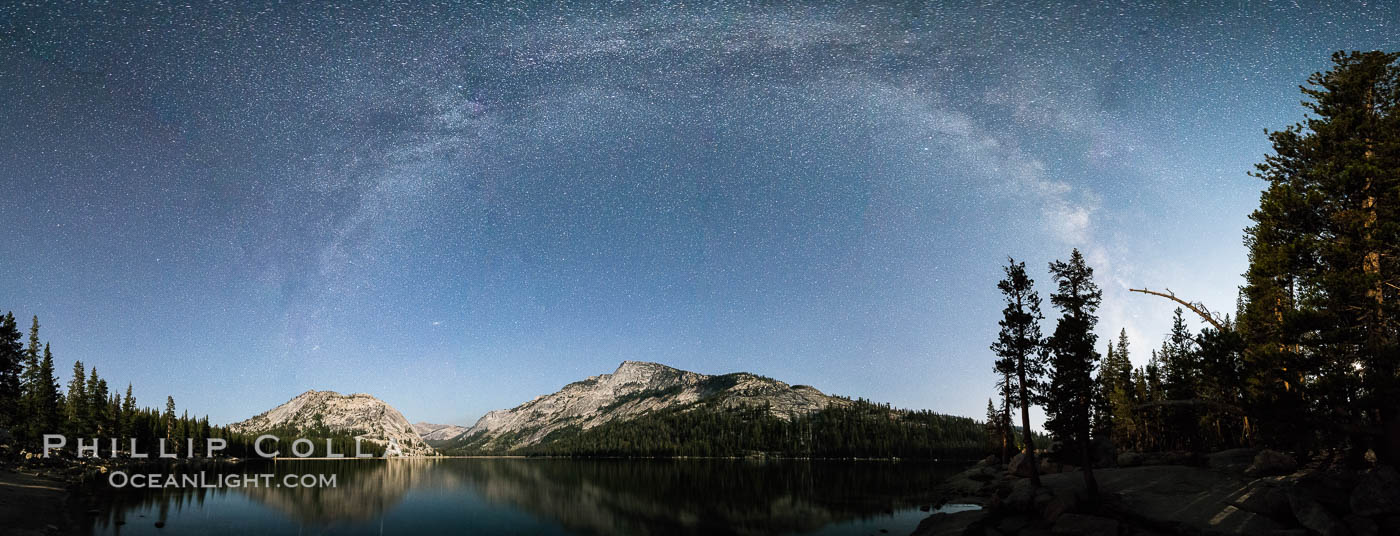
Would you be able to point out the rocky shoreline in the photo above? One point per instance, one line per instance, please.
(1234, 492)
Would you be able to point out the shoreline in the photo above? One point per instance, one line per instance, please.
(1231, 492)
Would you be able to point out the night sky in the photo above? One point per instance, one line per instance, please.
(458, 207)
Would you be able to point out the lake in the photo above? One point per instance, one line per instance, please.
(543, 496)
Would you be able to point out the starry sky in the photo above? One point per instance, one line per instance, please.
(459, 206)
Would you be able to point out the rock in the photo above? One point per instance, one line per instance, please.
(1056, 504)
(1085, 525)
(1315, 517)
(948, 524)
(1013, 524)
(1021, 499)
(362, 414)
(991, 459)
(1378, 493)
(1271, 462)
(438, 432)
(1236, 460)
(1362, 526)
(1048, 467)
(982, 473)
(1020, 465)
(1268, 500)
(1177, 499)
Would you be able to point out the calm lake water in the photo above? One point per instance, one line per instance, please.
(545, 496)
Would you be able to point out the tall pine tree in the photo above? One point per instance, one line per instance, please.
(42, 399)
(1073, 356)
(1020, 346)
(75, 407)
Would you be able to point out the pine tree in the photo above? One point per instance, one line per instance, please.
(1121, 391)
(45, 408)
(128, 414)
(1180, 376)
(1320, 320)
(168, 419)
(1143, 424)
(30, 383)
(1070, 398)
(97, 403)
(75, 407)
(1020, 346)
(1102, 405)
(11, 366)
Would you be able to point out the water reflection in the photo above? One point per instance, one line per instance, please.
(538, 496)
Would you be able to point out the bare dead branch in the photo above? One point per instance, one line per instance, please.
(1195, 307)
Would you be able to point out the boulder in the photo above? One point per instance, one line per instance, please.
(954, 524)
(1084, 525)
(1020, 465)
(1234, 460)
(1315, 517)
(1377, 493)
(1056, 503)
(1271, 462)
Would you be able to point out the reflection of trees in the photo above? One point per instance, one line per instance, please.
(699, 496)
(587, 496)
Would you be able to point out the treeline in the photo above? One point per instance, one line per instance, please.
(860, 429)
(32, 404)
(1310, 361)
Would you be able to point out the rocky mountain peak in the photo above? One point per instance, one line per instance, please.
(358, 414)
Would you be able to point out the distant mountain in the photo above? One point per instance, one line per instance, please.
(360, 415)
(634, 389)
(437, 432)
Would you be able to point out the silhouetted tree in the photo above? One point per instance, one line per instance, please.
(1020, 346)
(11, 364)
(1320, 320)
(75, 405)
(1071, 392)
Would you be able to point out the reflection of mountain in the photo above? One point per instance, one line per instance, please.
(699, 496)
(583, 496)
(364, 489)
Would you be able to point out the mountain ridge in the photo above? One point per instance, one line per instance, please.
(635, 388)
